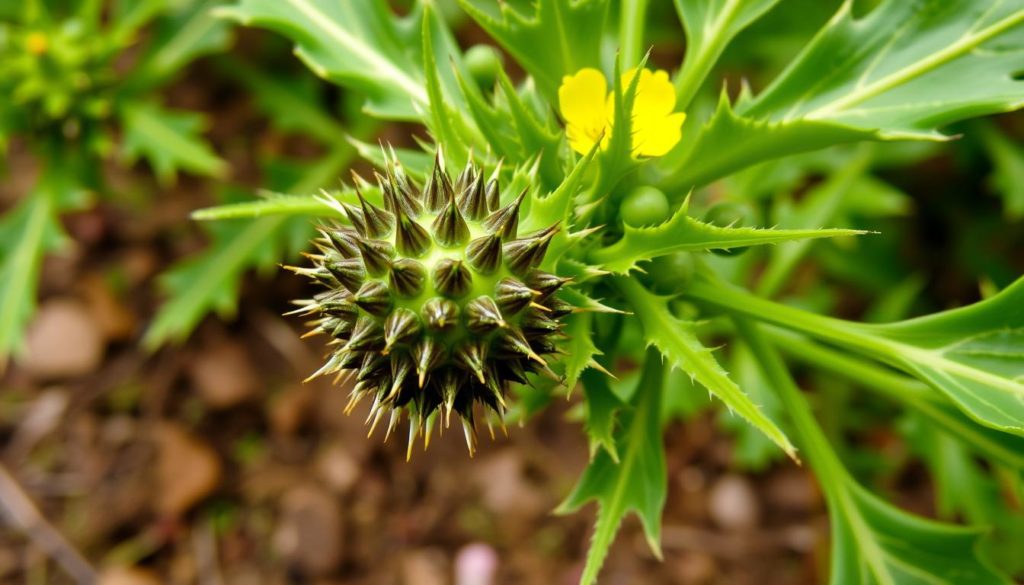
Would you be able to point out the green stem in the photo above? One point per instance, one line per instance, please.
(911, 393)
(810, 437)
(631, 30)
(701, 57)
(740, 302)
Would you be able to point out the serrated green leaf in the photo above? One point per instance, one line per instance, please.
(355, 43)
(820, 205)
(636, 483)
(677, 341)
(710, 27)
(556, 207)
(602, 406)
(580, 347)
(170, 140)
(752, 449)
(682, 233)
(210, 281)
(974, 355)
(904, 69)
(556, 38)
(729, 142)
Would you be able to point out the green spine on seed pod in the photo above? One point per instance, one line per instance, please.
(434, 302)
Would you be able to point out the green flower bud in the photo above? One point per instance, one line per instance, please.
(644, 206)
(483, 63)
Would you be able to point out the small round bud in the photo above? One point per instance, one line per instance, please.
(483, 63)
(644, 206)
(669, 274)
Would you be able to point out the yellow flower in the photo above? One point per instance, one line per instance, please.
(589, 111)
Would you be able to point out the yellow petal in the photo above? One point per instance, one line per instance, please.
(655, 94)
(582, 140)
(581, 97)
(656, 135)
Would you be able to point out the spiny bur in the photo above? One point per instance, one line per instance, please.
(434, 302)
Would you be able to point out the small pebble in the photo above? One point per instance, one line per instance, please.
(223, 375)
(128, 576)
(188, 470)
(476, 564)
(732, 503)
(63, 341)
(338, 469)
(309, 532)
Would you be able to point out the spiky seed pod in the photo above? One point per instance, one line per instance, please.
(440, 314)
(434, 320)
(348, 271)
(505, 221)
(452, 278)
(484, 253)
(407, 277)
(377, 222)
(377, 255)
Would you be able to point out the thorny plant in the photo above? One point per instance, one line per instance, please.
(635, 193)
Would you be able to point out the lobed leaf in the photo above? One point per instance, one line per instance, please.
(580, 346)
(903, 71)
(602, 406)
(169, 140)
(875, 542)
(677, 341)
(355, 43)
(975, 355)
(636, 482)
(919, 398)
(210, 281)
(684, 233)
